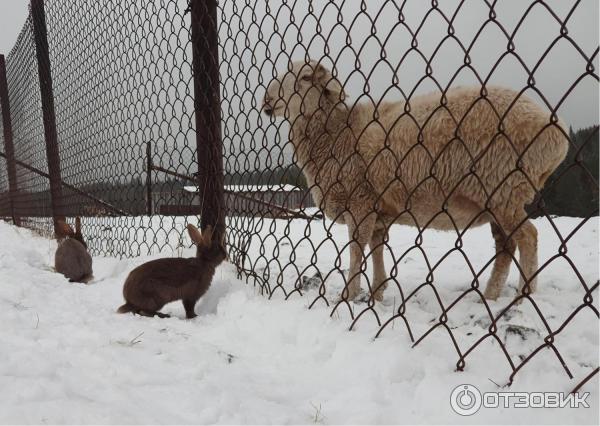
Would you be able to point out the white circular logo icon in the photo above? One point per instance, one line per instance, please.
(465, 400)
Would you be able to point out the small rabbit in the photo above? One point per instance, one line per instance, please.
(153, 284)
(72, 258)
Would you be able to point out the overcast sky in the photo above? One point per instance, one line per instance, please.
(251, 35)
(12, 17)
(583, 27)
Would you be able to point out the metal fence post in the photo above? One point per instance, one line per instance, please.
(149, 178)
(207, 108)
(9, 148)
(38, 16)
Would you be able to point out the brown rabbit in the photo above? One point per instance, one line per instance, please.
(72, 258)
(153, 284)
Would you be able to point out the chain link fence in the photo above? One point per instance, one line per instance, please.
(273, 120)
(5, 206)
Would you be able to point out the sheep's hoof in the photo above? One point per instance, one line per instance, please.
(491, 293)
(378, 296)
(532, 287)
(361, 297)
(518, 301)
(353, 296)
(350, 293)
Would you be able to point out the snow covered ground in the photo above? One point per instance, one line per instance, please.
(66, 357)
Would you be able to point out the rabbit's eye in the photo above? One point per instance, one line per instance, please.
(306, 77)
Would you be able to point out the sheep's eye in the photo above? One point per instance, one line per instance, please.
(306, 77)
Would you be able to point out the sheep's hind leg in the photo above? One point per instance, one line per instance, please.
(505, 250)
(526, 237)
(524, 234)
(376, 243)
(359, 234)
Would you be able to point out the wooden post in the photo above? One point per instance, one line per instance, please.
(9, 148)
(40, 32)
(207, 108)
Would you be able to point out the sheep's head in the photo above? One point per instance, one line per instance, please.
(302, 89)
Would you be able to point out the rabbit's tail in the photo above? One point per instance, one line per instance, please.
(126, 308)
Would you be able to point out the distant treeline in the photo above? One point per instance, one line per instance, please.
(281, 175)
(573, 188)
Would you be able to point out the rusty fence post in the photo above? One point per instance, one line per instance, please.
(207, 108)
(9, 148)
(40, 32)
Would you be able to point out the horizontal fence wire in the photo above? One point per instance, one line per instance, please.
(363, 145)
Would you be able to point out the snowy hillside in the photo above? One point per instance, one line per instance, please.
(67, 357)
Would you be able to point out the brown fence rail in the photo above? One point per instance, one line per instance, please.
(332, 142)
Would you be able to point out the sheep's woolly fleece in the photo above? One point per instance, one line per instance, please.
(352, 162)
(67, 357)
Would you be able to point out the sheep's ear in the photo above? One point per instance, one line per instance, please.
(333, 88)
(313, 72)
(64, 229)
(331, 85)
(195, 235)
(78, 225)
(320, 72)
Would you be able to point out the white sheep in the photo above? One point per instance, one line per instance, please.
(451, 162)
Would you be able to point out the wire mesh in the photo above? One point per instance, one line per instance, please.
(308, 211)
(32, 202)
(122, 74)
(5, 206)
(383, 56)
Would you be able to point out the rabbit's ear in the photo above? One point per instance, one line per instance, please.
(195, 235)
(78, 225)
(64, 229)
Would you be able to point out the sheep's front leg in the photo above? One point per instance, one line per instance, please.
(505, 250)
(527, 239)
(379, 277)
(359, 233)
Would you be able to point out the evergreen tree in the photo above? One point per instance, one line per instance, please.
(572, 190)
